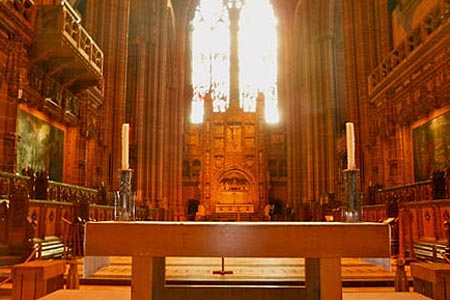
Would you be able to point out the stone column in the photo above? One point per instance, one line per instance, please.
(234, 12)
(112, 25)
(10, 141)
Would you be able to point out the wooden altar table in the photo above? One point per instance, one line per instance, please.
(321, 244)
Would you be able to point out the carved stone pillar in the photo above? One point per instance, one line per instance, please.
(113, 21)
(234, 11)
(10, 141)
(313, 96)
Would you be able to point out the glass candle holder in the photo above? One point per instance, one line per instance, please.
(352, 202)
(124, 199)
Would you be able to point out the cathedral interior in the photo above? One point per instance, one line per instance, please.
(235, 110)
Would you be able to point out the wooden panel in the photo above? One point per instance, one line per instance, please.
(424, 221)
(3, 220)
(423, 233)
(415, 221)
(88, 295)
(161, 239)
(428, 221)
(50, 220)
(374, 213)
(37, 278)
(432, 279)
(443, 215)
(384, 296)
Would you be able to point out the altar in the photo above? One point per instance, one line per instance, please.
(321, 244)
(235, 208)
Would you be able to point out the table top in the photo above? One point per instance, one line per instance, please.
(383, 296)
(237, 239)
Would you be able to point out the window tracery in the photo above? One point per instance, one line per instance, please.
(257, 56)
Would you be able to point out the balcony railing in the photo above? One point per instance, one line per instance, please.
(69, 53)
(433, 22)
(56, 191)
(56, 99)
(415, 192)
(79, 38)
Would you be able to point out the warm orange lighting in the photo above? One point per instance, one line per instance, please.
(257, 57)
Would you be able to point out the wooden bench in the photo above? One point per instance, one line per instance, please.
(383, 296)
(37, 278)
(432, 279)
(88, 295)
(322, 244)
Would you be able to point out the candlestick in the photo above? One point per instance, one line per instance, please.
(350, 139)
(125, 205)
(352, 202)
(125, 145)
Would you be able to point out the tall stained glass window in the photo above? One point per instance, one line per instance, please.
(210, 57)
(257, 53)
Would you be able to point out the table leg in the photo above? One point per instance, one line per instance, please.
(330, 279)
(147, 277)
(323, 278)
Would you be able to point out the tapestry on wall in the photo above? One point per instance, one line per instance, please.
(431, 147)
(41, 146)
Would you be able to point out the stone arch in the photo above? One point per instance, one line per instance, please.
(233, 185)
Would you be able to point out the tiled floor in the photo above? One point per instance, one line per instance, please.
(357, 275)
(247, 269)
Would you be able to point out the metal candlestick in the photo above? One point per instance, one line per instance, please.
(351, 206)
(125, 206)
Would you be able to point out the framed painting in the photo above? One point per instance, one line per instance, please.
(40, 147)
(431, 147)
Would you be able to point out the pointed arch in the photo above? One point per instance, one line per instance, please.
(211, 55)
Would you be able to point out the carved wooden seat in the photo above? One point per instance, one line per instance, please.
(432, 279)
(37, 278)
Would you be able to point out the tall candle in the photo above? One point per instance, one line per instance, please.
(125, 142)
(350, 138)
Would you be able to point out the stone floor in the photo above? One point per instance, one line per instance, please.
(357, 275)
(355, 272)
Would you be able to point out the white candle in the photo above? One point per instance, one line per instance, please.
(125, 142)
(350, 138)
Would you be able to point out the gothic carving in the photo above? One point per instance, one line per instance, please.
(219, 144)
(434, 21)
(249, 130)
(234, 137)
(76, 52)
(219, 161)
(193, 138)
(15, 68)
(234, 181)
(249, 142)
(219, 130)
(414, 98)
(250, 161)
(2, 72)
